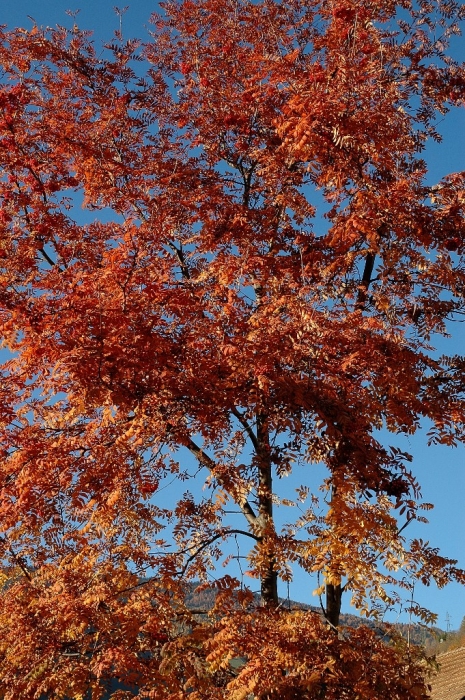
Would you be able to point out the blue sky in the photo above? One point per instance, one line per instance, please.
(440, 470)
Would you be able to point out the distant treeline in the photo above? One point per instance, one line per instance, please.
(447, 641)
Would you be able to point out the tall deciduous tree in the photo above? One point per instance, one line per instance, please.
(260, 285)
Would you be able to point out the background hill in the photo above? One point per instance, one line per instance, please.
(433, 639)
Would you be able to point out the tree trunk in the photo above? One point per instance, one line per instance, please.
(333, 603)
(333, 590)
(269, 586)
(269, 578)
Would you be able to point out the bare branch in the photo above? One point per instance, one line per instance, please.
(210, 541)
(210, 464)
(247, 428)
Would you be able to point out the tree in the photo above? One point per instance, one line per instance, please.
(260, 287)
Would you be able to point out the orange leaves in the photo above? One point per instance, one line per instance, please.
(290, 654)
(80, 630)
(218, 269)
(292, 56)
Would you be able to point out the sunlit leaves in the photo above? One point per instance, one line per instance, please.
(220, 265)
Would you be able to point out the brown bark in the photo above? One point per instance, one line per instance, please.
(333, 590)
(333, 603)
(269, 586)
(269, 579)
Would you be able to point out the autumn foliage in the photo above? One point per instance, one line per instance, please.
(220, 264)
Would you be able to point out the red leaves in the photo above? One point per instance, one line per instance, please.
(185, 68)
(344, 12)
(191, 317)
(452, 244)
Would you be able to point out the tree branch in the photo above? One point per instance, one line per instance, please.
(181, 259)
(393, 538)
(210, 464)
(247, 428)
(365, 282)
(18, 559)
(213, 539)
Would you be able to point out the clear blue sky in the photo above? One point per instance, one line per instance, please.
(440, 470)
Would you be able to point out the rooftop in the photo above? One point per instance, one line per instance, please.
(449, 684)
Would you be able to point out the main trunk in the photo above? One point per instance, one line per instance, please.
(269, 586)
(333, 590)
(269, 576)
(333, 603)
